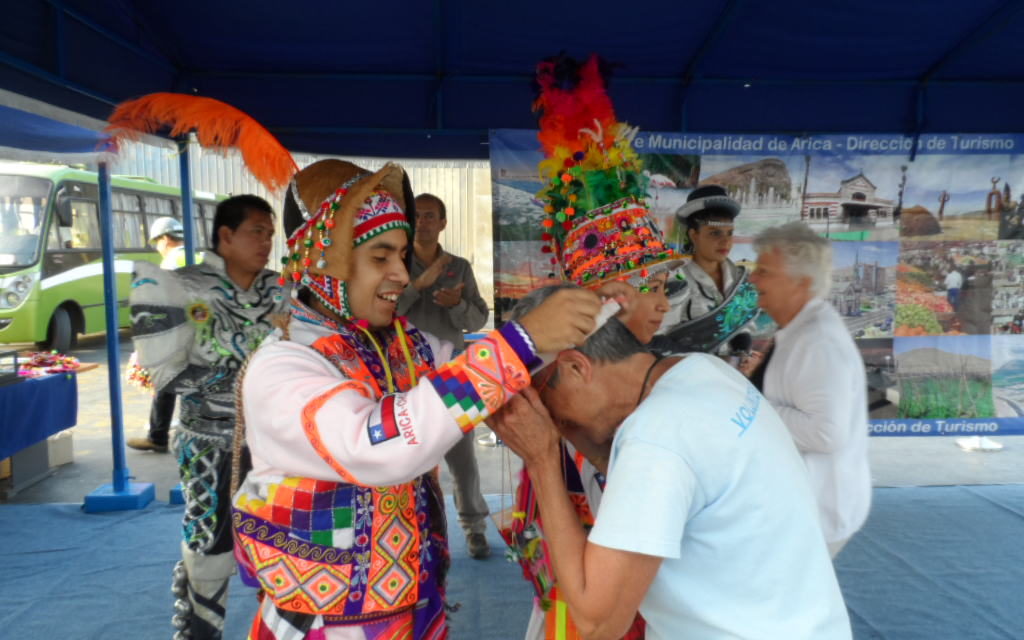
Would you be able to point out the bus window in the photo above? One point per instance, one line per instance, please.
(23, 202)
(53, 238)
(129, 232)
(157, 207)
(124, 201)
(199, 213)
(84, 232)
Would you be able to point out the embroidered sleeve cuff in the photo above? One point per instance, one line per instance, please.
(521, 342)
(477, 383)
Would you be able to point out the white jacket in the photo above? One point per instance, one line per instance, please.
(815, 380)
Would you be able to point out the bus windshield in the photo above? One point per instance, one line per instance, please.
(23, 207)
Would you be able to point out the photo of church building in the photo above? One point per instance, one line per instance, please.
(855, 204)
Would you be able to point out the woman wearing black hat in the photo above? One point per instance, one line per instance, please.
(710, 297)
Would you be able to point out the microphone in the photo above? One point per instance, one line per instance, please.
(739, 348)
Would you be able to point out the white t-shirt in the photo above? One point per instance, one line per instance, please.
(705, 475)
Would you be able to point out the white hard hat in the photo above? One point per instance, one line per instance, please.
(165, 226)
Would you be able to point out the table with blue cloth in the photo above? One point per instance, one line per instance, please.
(31, 411)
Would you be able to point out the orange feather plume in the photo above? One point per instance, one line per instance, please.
(570, 103)
(217, 125)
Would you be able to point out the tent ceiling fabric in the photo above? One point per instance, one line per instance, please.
(428, 79)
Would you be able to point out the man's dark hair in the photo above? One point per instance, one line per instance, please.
(231, 213)
(438, 201)
(613, 342)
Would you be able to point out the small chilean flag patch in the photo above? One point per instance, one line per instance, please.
(381, 425)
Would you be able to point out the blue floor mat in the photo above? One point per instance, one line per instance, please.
(936, 563)
(932, 563)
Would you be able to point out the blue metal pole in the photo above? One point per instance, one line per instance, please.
(187, 219)
(121, 494)
(121, 474)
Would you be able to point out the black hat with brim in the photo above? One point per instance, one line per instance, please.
(710, 198)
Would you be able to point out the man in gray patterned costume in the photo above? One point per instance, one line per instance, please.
(193, 329)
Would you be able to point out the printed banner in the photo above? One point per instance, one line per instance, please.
(928, 255)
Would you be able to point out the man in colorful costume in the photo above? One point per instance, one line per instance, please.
(600, 235)
(348, 409)
(193, 328)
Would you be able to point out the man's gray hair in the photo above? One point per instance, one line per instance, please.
(805, 253)
(613, 342)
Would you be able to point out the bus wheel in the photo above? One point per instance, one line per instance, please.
(60, 335)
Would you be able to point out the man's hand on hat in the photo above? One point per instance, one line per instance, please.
(563, 320)
(449, 297)
(432, 273)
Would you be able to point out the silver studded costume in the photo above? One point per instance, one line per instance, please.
(193, 330)
(702, 318)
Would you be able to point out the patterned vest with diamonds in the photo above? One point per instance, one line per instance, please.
(349, 553)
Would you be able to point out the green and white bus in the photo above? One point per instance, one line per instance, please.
(51, 270)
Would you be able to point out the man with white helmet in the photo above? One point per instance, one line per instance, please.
(167, 236)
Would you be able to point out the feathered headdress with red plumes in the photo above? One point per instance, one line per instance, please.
(217, 125)
(597, 223)
(572, 98)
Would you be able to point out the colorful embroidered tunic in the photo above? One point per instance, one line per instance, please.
(339, 521)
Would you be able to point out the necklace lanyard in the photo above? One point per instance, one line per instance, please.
(402, 339)
(647, 377)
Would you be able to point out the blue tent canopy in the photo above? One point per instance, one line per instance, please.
(31, 136)
(428, 79)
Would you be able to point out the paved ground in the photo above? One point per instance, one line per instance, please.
(903, 461)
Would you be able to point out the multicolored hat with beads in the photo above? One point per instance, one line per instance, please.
(597, 225)
(332, 207)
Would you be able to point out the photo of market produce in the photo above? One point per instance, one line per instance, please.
(944, 376)
(944, 288)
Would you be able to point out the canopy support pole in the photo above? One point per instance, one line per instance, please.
(122, 494)
(187, 220)
(176, 495)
